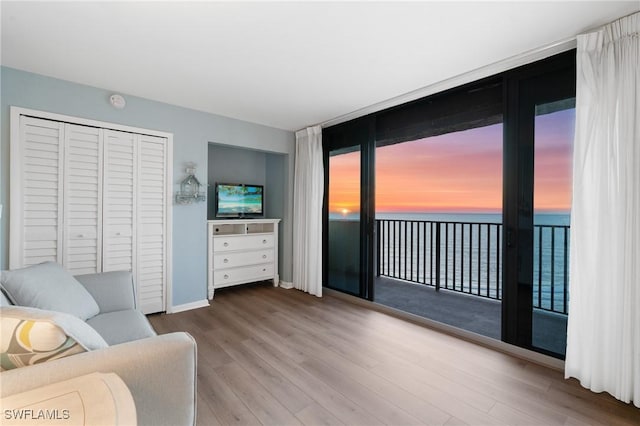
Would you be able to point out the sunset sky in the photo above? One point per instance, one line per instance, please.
(457, 172)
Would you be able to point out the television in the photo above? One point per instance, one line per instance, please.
(239, 200)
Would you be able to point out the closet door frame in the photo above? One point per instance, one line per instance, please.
(15, 173)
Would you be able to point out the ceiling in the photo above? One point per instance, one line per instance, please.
(285, 64)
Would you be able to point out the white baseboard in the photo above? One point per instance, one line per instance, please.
(286, 285)
(188, 306)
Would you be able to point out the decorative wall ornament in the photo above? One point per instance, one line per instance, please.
(117, 101)
(190, 188)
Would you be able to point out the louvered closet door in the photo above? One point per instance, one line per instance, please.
(151, 272)
(36, 193)
(83, 200)
(119, 230)
(92, 199)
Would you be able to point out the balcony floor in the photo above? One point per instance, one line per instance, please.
(472, 313)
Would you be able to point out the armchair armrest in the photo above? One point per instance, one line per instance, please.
(113, 291)
(159, 371)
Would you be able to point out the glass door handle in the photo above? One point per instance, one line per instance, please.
(509, 237)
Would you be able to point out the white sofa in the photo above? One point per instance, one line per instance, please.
(160, 371)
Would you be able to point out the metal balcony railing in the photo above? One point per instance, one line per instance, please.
(466, 257)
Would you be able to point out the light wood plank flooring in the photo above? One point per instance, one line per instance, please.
(281, 357)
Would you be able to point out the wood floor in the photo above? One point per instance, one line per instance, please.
(281, 357)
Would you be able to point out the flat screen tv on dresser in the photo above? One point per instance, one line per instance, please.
(239, 200)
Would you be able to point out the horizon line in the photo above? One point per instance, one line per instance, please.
(541, 211)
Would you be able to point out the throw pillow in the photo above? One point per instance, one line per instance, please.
(31, 336)
(48, 286)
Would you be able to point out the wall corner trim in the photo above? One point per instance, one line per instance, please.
(286, 285)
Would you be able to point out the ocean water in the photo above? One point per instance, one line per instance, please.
(471, 252)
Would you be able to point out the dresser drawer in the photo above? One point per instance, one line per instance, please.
(242, 242)
(235, 259)
(247, 274)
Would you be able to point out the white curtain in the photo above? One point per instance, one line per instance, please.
(307, 211)
(603, 337)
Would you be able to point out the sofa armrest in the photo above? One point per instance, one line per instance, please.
(159, 371)
(113, 291)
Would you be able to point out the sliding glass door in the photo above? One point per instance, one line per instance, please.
(439, 227)
(348, 250)
(538, 198)
(553, 149)
(473, 198)
(343, 261)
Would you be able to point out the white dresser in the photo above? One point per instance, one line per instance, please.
(242, 251)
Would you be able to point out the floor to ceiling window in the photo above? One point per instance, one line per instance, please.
(456, 206)
(539, 131)
(347, 246)
(343, 260)
(553, 151)
(439, 222)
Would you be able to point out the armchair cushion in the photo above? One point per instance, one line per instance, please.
(122, 326)
(112, 291)
(48, 286)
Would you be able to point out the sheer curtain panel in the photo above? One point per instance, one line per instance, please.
(307, 211)
(603, 337)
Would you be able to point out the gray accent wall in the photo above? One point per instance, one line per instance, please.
(232, 164)
(228, 164)
(192, 131)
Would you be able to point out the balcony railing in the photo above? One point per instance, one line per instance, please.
(466, 257)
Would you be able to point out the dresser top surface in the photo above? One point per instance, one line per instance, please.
(241, 221)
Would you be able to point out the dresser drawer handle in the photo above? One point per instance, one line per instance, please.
(80, 235)
(264, 256)
(264, 269)
(226, 277)
(226, 244)
(264, 241)
(226, 261)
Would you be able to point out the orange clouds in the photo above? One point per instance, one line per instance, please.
(344, 183)
(457, 172)
(442, 173)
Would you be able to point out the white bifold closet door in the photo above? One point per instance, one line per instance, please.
(94, 200)
(134, 212)
(36, 193)
(120, 187)
(82, 216)
(151, 202)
